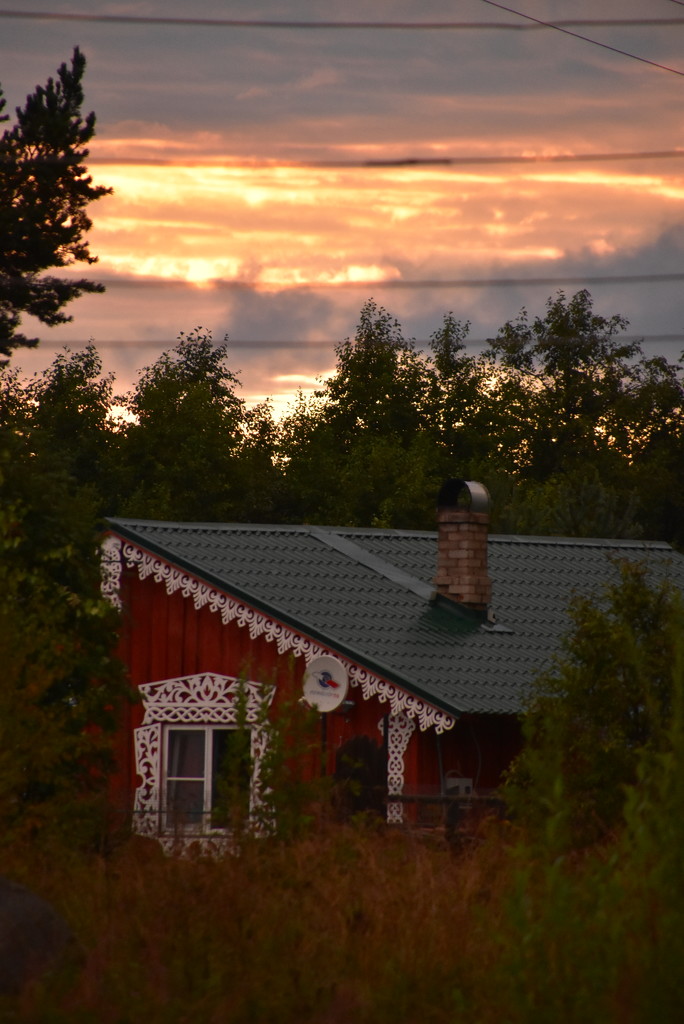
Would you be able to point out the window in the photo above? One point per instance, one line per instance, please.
(207, 777)
(199, 774)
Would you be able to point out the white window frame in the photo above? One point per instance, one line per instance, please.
(169, 825)
(205, 701)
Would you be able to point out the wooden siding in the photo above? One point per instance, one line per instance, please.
(164, 636)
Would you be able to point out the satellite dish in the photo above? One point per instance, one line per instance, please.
(325, 683)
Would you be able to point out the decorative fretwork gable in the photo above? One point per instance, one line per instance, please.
(117, 553)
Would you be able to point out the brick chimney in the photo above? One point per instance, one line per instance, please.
(462, 525)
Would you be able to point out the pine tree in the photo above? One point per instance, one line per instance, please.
(44, 195)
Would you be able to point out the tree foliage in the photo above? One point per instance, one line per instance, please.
(379, 384)
(353, 452)
(571, 428)
(566, 381)
(603, 708)
(61, 685)
(191, 449)
(573, 431)
(575, 408)
(461, 408)
(576, 503)
(44, 195)
(369, 448)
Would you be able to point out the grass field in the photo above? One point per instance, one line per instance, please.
(357, 923)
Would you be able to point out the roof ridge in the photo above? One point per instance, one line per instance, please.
(603, 542)
(333, 539)
(178, 524)
(374, 531)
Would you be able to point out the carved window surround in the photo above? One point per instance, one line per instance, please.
(201, 699)
(117, 553)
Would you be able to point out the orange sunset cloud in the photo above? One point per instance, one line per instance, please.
(244, 198)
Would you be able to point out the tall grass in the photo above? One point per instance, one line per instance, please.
(321, 922)
(360, 923)
(354, 923)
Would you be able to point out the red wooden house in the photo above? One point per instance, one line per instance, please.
(438, 636)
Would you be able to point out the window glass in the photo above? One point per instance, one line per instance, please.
(230, 776)
(185, 779)
(208, 775)
(186, 753)
(184, 805)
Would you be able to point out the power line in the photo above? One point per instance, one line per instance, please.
(507, 282)
(372, 285)
(586, 39)
(299, 344)
(384, 164)
(275, 163)
(393, 283)
(139, 19)
(390, 164)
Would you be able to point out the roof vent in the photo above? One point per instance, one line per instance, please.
(463, 527)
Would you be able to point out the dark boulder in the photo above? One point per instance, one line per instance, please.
(33, 937)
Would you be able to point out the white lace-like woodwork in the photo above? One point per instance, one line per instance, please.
(110, 570)
(400, 730)
(202, 699)
(286, 639)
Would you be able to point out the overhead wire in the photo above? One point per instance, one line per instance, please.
(407, 162)
(311, 344)
(586, 39)
(387, 164)
(410, 161)
(299, 25)
(236, 284)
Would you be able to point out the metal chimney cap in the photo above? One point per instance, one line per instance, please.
(464, 493)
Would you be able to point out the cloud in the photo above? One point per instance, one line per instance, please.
(211, 99)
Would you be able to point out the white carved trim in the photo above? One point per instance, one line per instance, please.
(200, 846)
(400, 701)
(285, 638)
(110, 570)
(147, 804)
(200, 699)
(400, 730)
(204, 698)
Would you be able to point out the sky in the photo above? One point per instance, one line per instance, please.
(255, 193)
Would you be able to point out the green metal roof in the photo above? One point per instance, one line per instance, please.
(366, 593)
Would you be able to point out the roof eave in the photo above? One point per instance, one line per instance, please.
(289, 620)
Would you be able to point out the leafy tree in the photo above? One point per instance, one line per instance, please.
(462, 410)
(44, 195)
(256, 472)
(349, 452)
(563, 383)
(62, 686)
(576, 503)
(180, 454)
(603, 707)
(655, 438)
(309, 464)
(572, 403)
(651, 871)
(380, 384)
(70, 416)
